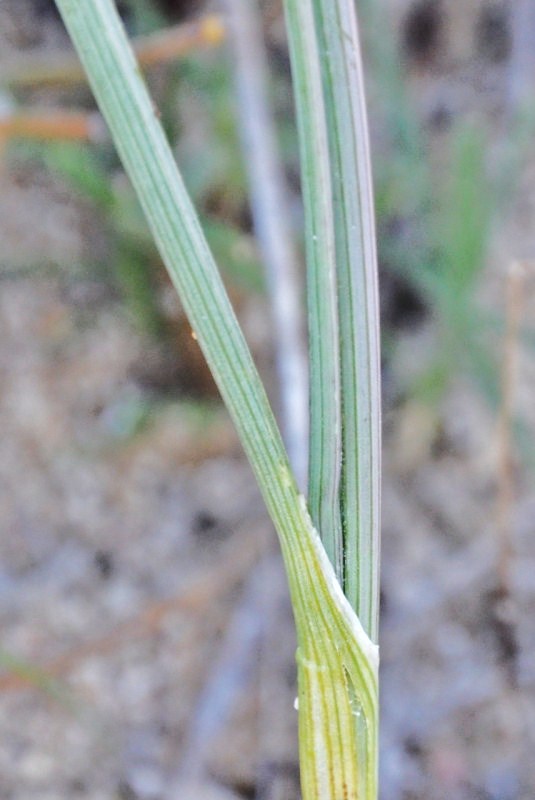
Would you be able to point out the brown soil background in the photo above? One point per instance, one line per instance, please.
(124, 560)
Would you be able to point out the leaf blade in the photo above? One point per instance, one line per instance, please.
(358, 305)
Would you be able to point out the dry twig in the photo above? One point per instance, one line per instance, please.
(51, 124)
(514, 308)
(155, 48)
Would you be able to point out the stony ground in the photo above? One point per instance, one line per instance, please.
(147, 641)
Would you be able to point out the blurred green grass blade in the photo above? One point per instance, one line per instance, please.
(80, 166)
(463, 218)
(324, 354)
(358, 302)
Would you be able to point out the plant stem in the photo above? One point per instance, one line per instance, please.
(337, 660)
(324, 348)
(344, 366)
(356, 259)
(271, 215)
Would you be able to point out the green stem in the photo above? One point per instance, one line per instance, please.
(337, 660)
(344, 366)
(324, 349)
(337, 32)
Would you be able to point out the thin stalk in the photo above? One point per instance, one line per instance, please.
(272, 219)
(271, 216)
(324, 349)
(337, 660)
(337, 31)
(515, 296)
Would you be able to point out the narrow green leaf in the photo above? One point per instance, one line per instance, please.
(356, 259)
(120, 90)
(325, 411)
